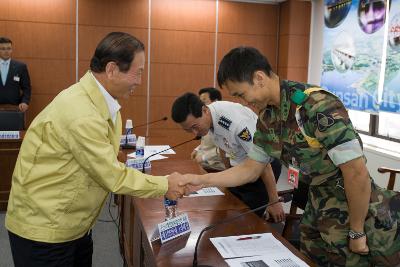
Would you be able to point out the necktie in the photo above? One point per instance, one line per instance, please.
(4, 72)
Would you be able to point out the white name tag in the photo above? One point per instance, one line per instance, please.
(173, 228)
(16, 78)
(9, 134)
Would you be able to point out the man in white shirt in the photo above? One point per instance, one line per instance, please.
(231, 126)
(207, 154)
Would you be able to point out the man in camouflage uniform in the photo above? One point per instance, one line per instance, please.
(348, 219)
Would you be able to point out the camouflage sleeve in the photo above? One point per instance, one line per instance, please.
(327, 119)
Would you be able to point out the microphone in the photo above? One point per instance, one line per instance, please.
(145, 124)
(284, 198)
(159, 152)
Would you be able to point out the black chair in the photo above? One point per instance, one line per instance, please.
(291, 229)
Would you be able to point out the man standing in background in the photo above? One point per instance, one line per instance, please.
(15, 84)
(207, 154)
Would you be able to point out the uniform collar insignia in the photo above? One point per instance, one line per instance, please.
(224, 122)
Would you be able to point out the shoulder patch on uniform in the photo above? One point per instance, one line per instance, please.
(298, 97)
(245, 135)
(224, 122)
(324, 121)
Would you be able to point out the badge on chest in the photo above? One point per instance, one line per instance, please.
(293, 174)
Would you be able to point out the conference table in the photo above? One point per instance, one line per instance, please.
(141, 216)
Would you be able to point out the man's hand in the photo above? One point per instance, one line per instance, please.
(276, 211)
(193, 154)
(191, 182)
(23, 107)
(199, 158)
(176, 189)
(121, 157)
(359, 245)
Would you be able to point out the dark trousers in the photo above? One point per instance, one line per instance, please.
(29, 253)
(254, 194)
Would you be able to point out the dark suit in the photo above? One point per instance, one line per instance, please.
(15, 92)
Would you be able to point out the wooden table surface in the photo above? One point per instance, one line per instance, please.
(202, 211)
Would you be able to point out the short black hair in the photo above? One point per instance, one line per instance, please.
(119, 47)
(213, 93)
(240, 64)
(185, 105)
(5, 40)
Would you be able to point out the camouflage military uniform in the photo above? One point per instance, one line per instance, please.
(325, 223)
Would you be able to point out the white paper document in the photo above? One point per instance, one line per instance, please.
(277, 260)
(156, 149)
(247, 245)
(263, 245)
(207, 191)
(155, 157)
(150, 150)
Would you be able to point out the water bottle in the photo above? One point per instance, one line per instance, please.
(140, 143)
(130, 138)
(171, 208)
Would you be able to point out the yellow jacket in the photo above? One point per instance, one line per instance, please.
(67, 165)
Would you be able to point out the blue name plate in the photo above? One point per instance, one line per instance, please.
(174, 227)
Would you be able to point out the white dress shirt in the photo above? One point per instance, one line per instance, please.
(112, 103)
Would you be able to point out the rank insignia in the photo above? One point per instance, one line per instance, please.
(226, 143)
(245, 134)
(324, 121)
(224, 122)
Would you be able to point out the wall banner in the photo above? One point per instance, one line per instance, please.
(391, 89)
(352, 51)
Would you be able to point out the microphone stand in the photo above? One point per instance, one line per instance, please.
(144, 124)
(159, 152)
(126, 145)
(284, 198)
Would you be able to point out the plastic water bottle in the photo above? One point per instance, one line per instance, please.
(130, 138)
(171, 208)
(140, 143)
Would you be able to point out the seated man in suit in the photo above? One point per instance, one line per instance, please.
(232, 127)
(15, 84)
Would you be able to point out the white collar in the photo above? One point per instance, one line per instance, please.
(113, 106)
(5, 61)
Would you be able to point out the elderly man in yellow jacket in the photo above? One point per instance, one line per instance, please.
(68, 162)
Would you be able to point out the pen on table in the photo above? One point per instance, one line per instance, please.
(248, 238)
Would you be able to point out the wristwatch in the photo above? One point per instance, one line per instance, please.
(356, 235)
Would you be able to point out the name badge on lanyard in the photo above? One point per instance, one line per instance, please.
(293, 174)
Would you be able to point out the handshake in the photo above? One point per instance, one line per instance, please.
(182, 184)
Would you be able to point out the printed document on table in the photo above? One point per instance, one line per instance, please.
(206, 192)
(273, 260)
(155, 157)
(150, 150)
(248, 245)
(156, 149)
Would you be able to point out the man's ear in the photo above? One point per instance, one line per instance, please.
(258, 78)
(111, 69)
